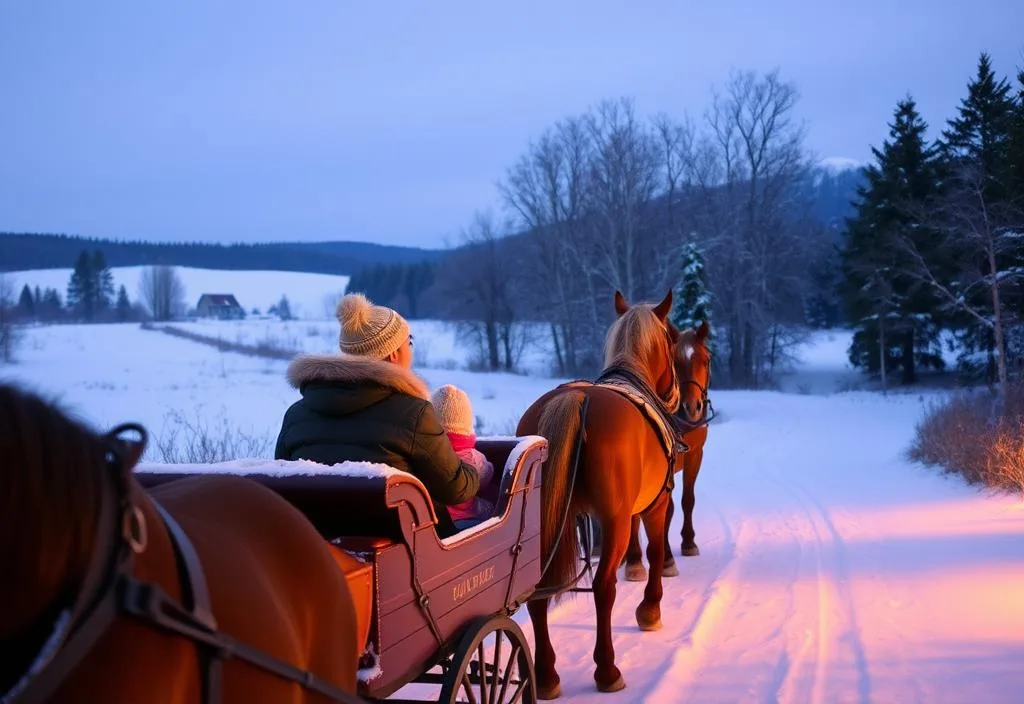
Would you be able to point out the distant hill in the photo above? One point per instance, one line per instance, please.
(21, 251)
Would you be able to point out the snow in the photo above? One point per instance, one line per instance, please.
(523, 444)
(436, 344)
(832, 569)
(277, 468)
(309, 295)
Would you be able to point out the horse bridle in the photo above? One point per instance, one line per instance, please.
(110, 590)
(683, 423)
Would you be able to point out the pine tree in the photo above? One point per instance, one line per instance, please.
(104, 280)
(51, 306)
(283, 308)
(26, 303)
(124, 306)
(895, 316)
(979, 136)
(81, 295)
(978, 190)
(691, 301)
(91, 286)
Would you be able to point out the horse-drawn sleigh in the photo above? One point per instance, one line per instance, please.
(297, 582)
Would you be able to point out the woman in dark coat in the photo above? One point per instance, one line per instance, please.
(366, 404)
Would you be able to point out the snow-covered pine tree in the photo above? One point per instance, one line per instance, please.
(691, 301)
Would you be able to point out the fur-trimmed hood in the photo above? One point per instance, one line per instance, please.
(349, 369)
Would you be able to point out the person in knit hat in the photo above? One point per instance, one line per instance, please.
(366, 404)
(456, 412)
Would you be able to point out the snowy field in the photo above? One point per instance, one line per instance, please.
(437, 344)
(310, 295)
(831, 569)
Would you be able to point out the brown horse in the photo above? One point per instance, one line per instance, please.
(102, 597)
(605, 459)
(693, 368)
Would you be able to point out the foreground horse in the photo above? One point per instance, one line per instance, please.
(100, 579)
(605, 458)
(693, 368)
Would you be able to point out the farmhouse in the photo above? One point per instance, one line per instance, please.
(219, 305)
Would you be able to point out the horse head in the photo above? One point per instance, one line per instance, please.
(693, 369)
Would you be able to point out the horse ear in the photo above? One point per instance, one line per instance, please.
(128, 451)
(133, 451)
(702, 331)
(662, 309)
(620, 303)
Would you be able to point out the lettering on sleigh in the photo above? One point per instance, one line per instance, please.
(470, 584)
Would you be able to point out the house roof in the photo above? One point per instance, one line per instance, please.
(219, 299)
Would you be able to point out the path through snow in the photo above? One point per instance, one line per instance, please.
(831, 571)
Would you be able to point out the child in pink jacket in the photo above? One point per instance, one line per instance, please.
(456, 413)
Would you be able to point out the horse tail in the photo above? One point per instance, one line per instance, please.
(560, 424)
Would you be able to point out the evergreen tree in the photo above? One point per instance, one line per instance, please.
(26, 303)
(48, 305)
(104, 280)
(91, 286)
(891, 309)
(691, 301)
(124, 306)
(283, 308)
(979, 136)
(978, 183)
(81, 295)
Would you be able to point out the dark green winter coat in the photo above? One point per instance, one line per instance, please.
(372, 411)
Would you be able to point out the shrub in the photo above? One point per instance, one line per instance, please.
(187, 442)
(970, 435)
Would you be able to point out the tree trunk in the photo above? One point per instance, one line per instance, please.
(997, 328)
(559, 358)
(881, 350)
(909, 372)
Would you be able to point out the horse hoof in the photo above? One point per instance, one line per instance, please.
(690, 550)
(552, 692)
(648, 619)
(670, 570)
(615, 686)
(648, 627)
(636, 573)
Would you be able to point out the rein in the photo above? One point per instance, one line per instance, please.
(110, 590)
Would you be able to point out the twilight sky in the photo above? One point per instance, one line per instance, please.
(245, 120)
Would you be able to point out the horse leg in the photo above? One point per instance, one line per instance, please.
(548, 683)
(648, 613)
(613, 549)
(635, 570)
(691, 469)
(670, 569)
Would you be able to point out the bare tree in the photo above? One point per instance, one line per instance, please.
(162, 292)
(8, 314)
(624, 180)
(544, 192)
(984, 237)
(748, 169)
(478, 285)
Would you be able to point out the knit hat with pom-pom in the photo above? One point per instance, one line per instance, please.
(456, 412)
(368, 330)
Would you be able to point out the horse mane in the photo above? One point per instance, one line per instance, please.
(50, 494)
(635, 337)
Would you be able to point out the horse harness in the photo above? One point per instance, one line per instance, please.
(684, 425)
(110, 590)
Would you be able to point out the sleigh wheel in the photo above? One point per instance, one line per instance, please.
(492, 665)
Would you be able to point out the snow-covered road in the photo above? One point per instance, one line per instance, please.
(831, 570)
